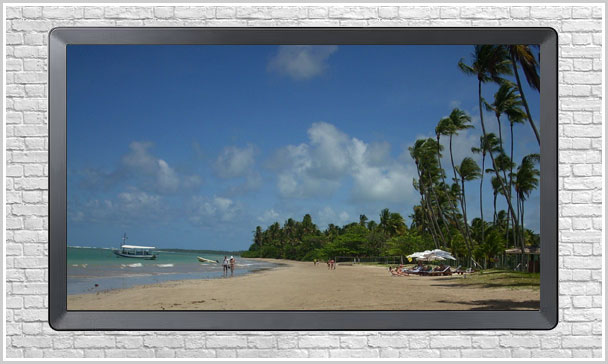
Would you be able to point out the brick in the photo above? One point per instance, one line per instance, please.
(226, 342)
(128, 12)
(355, 342)
(261, 342)
(388, 12)
(319, 342)
(354, 353)
(94, 342)
(194, 12)
(450, 342)
(383, 341)
(582, 26)
(353, 12)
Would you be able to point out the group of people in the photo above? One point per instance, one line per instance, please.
(331, 264)
(228, 264)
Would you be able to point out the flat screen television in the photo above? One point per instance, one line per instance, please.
(303, 178)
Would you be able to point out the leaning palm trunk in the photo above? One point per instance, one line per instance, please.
(464, 231)
(434, 224)
(430, 226)
(463, 202)
(483, 130)
(483, 166)
(423, 202)
(523, 230)
(514, 218)
(439, 211)
(449, 195)
(523, 98)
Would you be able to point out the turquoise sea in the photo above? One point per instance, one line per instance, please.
(98, 269)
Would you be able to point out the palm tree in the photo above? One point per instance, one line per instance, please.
(257, 239)
(522, 55)
(490, 62)
(506, 101)
(362, 220)
(486, 144)
(427, 168)
(495, 189)
(457, 121)
(449, 126)
(526, 181)
(468, 170)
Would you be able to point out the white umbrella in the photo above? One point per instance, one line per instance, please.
(420, 254)
(443, 254)
(430, 258)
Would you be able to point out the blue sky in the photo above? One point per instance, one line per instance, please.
(194, 146)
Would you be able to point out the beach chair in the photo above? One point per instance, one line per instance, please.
(425, 272)
(443, 272)
(457, 270)
(416, 270)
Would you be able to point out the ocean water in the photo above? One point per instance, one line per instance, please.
(97, 269)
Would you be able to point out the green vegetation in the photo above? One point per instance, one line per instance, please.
(440, 219)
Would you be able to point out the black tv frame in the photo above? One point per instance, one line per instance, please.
(62, 319)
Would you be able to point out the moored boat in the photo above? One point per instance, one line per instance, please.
(134, 251)
(205, 260)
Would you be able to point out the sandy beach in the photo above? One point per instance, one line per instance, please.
(303, 286)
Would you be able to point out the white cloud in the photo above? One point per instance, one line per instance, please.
(136, 200)
(318, 167)
(127, 206)
(269, 216)
(235, 162)
(327, 216)
(301, 62)
(140, 164)
(208, 211)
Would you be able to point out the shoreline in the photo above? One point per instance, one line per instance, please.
(142, 285)
(294, 285)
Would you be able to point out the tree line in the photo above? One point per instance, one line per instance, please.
(441, 218)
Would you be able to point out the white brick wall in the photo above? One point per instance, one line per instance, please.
(580, 170)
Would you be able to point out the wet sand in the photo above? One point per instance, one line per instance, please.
(303, 286)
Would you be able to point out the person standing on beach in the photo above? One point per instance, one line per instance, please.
(225, 265)
(232, 263)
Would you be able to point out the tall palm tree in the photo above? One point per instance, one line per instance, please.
(526, 181)
(506, 101)
(495, 189)
(450, 126)
(468, 170)
(490, 62)
(457, 121)
(362, 220)
(522, 55)
(488, 143)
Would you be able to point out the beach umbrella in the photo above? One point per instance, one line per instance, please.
(431, 258)
(419, 255)
(442, 254)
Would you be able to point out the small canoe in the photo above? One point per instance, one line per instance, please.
(205, 260)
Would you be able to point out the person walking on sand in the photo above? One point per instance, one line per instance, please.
(232, 263)
(225, 265)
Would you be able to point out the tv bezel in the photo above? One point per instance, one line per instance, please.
(62, 319)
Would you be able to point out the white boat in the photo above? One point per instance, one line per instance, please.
(134, 251)
(205, 260)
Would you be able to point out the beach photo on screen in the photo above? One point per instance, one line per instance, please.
(303, 177)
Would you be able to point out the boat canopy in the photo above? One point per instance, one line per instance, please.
(137, 247)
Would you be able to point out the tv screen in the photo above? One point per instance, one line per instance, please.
(281, 176)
